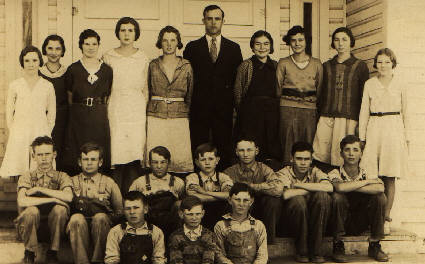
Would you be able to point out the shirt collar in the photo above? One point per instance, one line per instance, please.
(166, 178)
(242, 167)
(204, 177)
(94, 178)
(217, 38)
(306, 178)
(40, 173)
(228, 216)
(46, 72)
(133, 229)
(197, 231)
(344, 175)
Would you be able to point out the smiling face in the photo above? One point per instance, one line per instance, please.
(352, 153)
(301, 161)
(213, 21)
(169, 43)
(342, 42)
(192, 218)
(90, 162)
(31, 62)
(241, 203)
(298, 43)
(90, 47)
(54, 51)
(135, 211)
(127, 34)
(384, 65)
(44, 156)
(261, 47)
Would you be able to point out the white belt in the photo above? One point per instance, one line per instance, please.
(167, 100)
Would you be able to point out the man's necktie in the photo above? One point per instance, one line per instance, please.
(213, 49)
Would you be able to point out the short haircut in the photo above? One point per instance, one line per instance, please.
(88, 33)
(189, 202)
(53, 38)
(135, 195)
(27, 50)
(162, 151)
(212, 7)
(204, 148)
(294, 31)
(387, 52)
(127, 20)
(91, 146)
(241, 187)
(350, 139)
(261, 33)
(44, 140)
(246, 138)
(169, 29)
(301, 146)
(346, 31)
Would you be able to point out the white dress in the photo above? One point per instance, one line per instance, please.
(127, 106)
(385, 153)
(30, 113)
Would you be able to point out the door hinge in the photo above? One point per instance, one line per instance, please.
(74, 11)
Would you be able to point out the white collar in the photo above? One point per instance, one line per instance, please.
(204, 177)
(197, 231)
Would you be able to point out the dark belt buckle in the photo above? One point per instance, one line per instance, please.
(89, 101)
(168, 100)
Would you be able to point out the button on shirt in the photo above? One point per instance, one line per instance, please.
(44, 179)
(209, 183)
(340, 175)
(288, 176)
(158, 184)
(112, 254)
(217, 42)
(221, 231)
(257, 173)
(192, 234)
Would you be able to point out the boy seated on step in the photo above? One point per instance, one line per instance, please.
(209, 185)
(135, 241)
(307, 204)
(192, 243)
(358, 202)
(241, 238)
(162, 190)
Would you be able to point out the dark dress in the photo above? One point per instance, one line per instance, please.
(87, 123)
(58, 133)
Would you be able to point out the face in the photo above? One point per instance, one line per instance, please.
(192, 218)
(213, 21)
(159, 165)
(261, 47)
(298, 43)
(31, 62)
(127, 34)
(169, 43)
(352, 153)
(302, 161)
(384, 65)
(90, 47)
(241, 203)
(44, 156)
(246, 152)
(54, 51)
(135, 211)
(90, 162)
(342, 42)
(208, 162)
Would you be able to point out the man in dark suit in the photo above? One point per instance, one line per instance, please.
(214, 60)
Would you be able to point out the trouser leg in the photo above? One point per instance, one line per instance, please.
(339, 215)
(271, 212)
(57, 219)
(100, 226)
(28, 222)
(376, 214)
(79, 238)
(296, 211)
(319, 206)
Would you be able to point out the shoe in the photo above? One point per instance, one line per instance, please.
(52, 257)
(375, 251)
(301, 259)
(339, 252)
(318, 259)
(29, 257)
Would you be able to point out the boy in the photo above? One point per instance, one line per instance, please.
(240, 237)
(358, 202)
(307, 203)
(192, 244)
(161, 190)
(208, 185)
(264, 182)
(44, 191)
(135, 241)
(97, 199)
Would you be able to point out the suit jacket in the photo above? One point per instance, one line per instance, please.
(213, 95)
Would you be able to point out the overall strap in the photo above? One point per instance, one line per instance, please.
(171, 181)
(148, 182)
(252, 222)
(200, 179)
(33, 179)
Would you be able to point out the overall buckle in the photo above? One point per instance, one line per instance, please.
(89, 101)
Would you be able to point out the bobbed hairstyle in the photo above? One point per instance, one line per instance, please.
(161, 151)
(44, 140)
(127, 20)
(27, 50)
(169, 29)
(88, 33)
(346, 31)
(53, 38)
(241, 187)
(387, 52)
(301, 146)
(294, 31)
(212, 7)
(135, 195)
(91, 146)
(350, 139)
(261, 33)
(189, 202)
(204, 148)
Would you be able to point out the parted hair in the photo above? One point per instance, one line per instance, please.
(27, 50)
(387, 52)
(44, 140)
(91, 146)
(346, 31)
(189, 202)
(169, 29)
(261, 33)
(53, 38)
(135, 195)
(204, 148)
(212, 7)
(241, 187)
(88, 33)
(127, 20)
(301, 146)
(350, 139)
(294, 31)
(162, 151)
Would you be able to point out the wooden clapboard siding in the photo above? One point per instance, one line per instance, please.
(52, 25)
(284, 26)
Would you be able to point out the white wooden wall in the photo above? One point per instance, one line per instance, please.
(3, 82)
